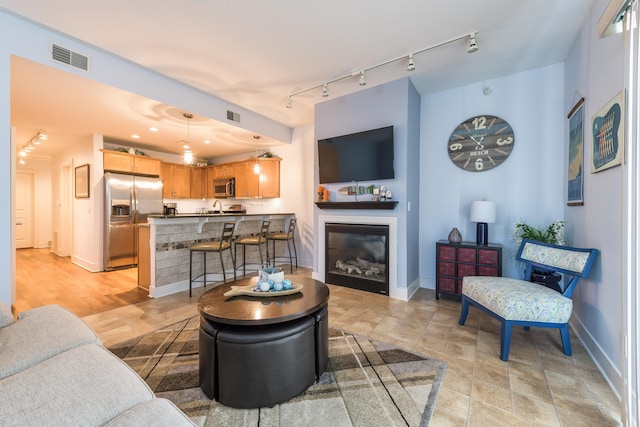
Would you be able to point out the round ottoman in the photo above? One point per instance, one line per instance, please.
(265, 365)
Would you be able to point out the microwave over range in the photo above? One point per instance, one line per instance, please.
(224, 187)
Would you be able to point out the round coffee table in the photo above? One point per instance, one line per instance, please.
(260, 351)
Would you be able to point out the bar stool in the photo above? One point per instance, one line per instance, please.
(256, 240)
(214, 246)
(288, 237)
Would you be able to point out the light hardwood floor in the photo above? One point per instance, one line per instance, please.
(538, 386)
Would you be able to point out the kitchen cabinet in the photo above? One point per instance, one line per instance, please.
(252, 185)
(144, 257)
(176, 181)
(225, 170)
(116, 161)
(198, 182)
(454, 261)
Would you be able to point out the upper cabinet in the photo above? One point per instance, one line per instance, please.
(225, 170)
(176, 180)
(117, 161)
(266, 183)
(198, 180)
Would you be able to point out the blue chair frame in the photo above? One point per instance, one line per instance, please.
(530, 264)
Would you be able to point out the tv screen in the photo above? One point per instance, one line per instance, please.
(362, 156)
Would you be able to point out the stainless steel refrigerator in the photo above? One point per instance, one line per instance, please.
(129, 200)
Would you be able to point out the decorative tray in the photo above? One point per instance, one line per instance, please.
(251, 291)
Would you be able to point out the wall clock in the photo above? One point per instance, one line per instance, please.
(481, 143)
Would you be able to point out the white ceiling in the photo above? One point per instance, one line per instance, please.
(256, 53)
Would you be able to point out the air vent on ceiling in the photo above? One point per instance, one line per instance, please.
(233, 116)
(69, 57)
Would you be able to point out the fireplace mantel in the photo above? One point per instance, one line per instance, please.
(369, 205)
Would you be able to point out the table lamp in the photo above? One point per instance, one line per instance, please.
(483, 212)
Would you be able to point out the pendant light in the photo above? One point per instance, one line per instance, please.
(188, 154)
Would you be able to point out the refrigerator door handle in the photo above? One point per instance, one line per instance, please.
(134, 206)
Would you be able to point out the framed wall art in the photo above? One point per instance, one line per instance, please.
(82, 182)
(607, 128)
(575, 179)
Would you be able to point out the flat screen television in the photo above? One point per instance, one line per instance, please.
(362, 156)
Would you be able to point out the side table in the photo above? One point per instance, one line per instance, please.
(454, 261)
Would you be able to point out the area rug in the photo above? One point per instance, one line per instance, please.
(367, 383)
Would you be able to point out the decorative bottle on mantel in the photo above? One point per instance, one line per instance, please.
(455, 236)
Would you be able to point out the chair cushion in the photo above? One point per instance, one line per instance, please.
(248, 240)
(39, 334)
(555, 257)
(279, 236)
(210, 246)
(6, 318)
(514, 299)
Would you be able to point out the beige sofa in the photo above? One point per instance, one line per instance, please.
(54, 371)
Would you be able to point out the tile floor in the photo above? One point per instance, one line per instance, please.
(538, 386)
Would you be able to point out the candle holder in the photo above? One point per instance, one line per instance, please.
(320, 195)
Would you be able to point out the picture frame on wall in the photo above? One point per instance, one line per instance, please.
(575, 178)
(82, 182)
(607, 129)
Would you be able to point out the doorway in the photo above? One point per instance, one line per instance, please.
(24, 210)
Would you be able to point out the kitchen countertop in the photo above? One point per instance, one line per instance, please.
(217, 215)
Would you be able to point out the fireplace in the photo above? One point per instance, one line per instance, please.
(357, 256)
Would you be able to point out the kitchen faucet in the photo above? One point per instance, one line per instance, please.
(217, 202)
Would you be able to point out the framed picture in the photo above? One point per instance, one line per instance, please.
(575, 179)
(82, 182)
(607, 128)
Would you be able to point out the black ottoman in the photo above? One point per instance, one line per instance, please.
(208, 357)
(322, 340)
(265, 365)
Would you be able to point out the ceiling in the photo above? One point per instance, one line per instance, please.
(255, 54)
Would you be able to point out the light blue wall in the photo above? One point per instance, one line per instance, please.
(529, 184)
(594, 70)
(394, 103)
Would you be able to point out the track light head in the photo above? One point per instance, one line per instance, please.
(363, 79)
(411, 65)
(472, 45)
(325, 91)
(289, 105)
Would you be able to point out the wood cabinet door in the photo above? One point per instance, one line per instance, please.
(242, 184)
(147, 166)
(166, 173)
(198, 185)
(210, 175)
(181, 182)
(119, 162)
(269, 179)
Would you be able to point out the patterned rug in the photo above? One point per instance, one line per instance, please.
(367, 383)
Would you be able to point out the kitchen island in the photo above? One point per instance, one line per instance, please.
(170, 237)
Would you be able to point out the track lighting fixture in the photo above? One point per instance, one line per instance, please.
(31, 144)
(472, 46)
(411, 65)
(363, 79)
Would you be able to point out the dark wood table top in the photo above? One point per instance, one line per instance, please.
(251, 310)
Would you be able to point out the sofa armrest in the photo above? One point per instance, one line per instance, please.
(6, 317)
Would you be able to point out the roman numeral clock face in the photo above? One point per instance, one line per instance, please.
(481, 143)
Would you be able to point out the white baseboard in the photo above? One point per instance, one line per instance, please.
(86, 264)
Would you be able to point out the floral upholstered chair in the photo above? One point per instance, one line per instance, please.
(523, 303)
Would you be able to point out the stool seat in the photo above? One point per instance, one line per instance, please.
(257, 241)
(289, 236)
(219, 246)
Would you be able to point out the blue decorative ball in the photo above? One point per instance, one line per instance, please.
(264, 286)
(278, 286)
(286, 284)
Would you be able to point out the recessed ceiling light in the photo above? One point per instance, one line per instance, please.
(153, 129)
(206, 141)
(134, 136)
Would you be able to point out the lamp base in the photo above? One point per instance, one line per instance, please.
(482, 234)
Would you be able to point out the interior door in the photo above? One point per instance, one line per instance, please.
(24, 210)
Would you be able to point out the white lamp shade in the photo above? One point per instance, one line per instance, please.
(483, 211)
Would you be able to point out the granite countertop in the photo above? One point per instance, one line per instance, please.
(216, 215)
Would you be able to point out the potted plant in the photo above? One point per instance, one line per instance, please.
(553, 234)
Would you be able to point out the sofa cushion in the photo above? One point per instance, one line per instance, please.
(156, 412)
(39, 334)
(6, 317)
(514, 299)
(84, 386)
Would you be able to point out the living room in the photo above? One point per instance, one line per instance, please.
(529, 185)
